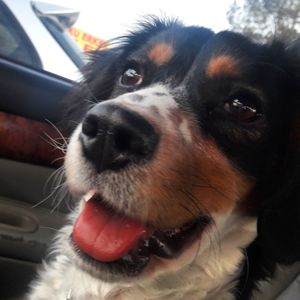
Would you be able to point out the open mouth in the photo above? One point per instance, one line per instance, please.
(102, 235)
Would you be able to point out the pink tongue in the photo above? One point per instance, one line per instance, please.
(103, 235)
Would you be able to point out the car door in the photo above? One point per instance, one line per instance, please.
(31, 209)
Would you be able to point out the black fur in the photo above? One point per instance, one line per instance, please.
(99, 85)
(266, 150)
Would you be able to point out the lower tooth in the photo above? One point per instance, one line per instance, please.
(89, 195)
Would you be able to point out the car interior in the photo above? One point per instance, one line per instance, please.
(33, 204)
(31, 209)
(29, 105)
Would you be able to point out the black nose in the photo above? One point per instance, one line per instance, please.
(112, 137)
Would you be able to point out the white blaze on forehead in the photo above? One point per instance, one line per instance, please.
(157, 103)
(157, 96)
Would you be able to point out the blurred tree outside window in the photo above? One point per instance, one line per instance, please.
(264, 20)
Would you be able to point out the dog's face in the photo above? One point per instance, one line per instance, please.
(192, 124)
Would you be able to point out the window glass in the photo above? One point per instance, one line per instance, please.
(14, 44)
(64, 39)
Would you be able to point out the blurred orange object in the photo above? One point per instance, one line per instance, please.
(86, 41)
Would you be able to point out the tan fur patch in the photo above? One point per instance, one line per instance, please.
(222, 65)
(161, 53)
(188, 179)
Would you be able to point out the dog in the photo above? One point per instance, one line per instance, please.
(185, 163)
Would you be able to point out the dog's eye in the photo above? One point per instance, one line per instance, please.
(243, 109)
(131, 78)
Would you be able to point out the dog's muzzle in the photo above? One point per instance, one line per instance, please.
(113, 137)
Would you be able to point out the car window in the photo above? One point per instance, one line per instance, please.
(36, 33)
(15, 45)
(66, 42)
(58, 23)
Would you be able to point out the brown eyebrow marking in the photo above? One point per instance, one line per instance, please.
(222, 65)
(161, 53)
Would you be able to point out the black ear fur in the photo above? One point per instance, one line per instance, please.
(278, 223)
(100, 73)
(278, 198)
(278, 227)
(279, 219)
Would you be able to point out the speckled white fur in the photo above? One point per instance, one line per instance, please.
(157, 96)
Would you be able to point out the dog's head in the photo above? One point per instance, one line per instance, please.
(187, 139)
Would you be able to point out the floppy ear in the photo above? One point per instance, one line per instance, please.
(99, 76)
(100, 73)
(279, 220)
(278, 223)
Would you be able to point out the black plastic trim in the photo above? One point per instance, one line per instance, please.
(31, 93)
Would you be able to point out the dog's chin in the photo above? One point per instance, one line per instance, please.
(153, 253)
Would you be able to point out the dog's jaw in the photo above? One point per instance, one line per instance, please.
(210, 276)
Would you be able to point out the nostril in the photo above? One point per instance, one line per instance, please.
(127, 141)
(90, 126)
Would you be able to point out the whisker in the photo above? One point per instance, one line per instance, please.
(52, 177)
(57, 159)
(89, 101)
(44, 200)
(52, 142)
(65, 192)
(74, 122)
(47, 227)
(58, 131)
(56, 178)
